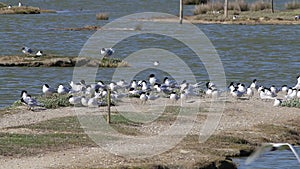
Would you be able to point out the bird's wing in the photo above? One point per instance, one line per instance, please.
(257, 152)
(294, 151)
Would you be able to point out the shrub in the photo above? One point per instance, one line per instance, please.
(205, 8)
(260, 5)
(291, 103)
(195, 2)
(292, 5)
(102, 16)
(239, 5)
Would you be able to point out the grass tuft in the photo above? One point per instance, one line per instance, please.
(291, 103)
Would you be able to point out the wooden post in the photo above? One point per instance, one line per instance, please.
(108, 106)
(272, 6)
(180, 11)
(226, 9)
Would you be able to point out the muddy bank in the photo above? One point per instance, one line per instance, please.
(58, 61)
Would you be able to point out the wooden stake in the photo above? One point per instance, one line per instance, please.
(180, 11)
(272, 5)
(108, 106)
(226, 9)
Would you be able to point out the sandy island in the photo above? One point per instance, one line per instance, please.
(244, 124)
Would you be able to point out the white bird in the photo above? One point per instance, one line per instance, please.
(75, 100)
(29, 101)
(297, 86)
(133, 84)
(266, 94)
(152, 97)
(93, 102)
(253, 85)
(39, 53)
(231, 87)
(47, 90)
(250, 92)
(84, 101)
(271, 147)
(145, 86)
(20, 4)
(236, 93)
(122, 84)
(9, 7)
(284, 89)
(152, 79)
(62, 89)
(241, 88)
(297, 17)
(174, 97)
(27, 50)
(277, 102)
(156, 63)
(274, 89)
(291, 95)
(143, 97)
(107, 52)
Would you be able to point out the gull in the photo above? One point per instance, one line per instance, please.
(84, 101)
(297, 17)
(249, 92)
(39, 53)
(274, 89)
(93, 102)
(174, 97)
(143, 97)
(152, 97)
(27, 50)
(156, 63)
(284, 89)
(47, 90)
(277, 102)
(271, 147)
(297, 86)
(29, 101)
(231, 87)
(145, 86)
(236, 93)
(62, 89)
(20, 4)
(241, 88)
(253, 85)
(266, 94)
(291, 95)
(133, 84)
(107, 52)
(152, 79)
(123, 84)
(75, 100)
(9, 6)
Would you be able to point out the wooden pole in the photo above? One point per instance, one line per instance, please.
(108, 106)
(180, 11)
(226, 9)
(272, 5)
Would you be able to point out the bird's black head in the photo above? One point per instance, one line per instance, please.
(151, 75)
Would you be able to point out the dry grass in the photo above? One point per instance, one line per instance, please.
(209, 7)
(260, 5)
(102, 16)
(20, 10)
(194, 2)
(292, 5)
(239, 5)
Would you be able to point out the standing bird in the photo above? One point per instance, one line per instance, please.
(174, 97)
(271, 147)
(253, 85)
(152, 79)
(27, 50)
(107, 52)
(39, 53)
(29, 101)
(277, 102)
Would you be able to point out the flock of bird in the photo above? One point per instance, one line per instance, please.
(95, 94)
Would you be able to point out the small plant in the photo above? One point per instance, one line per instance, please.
(291, 103)
(55, 101)
(102, 16)
(292, 5)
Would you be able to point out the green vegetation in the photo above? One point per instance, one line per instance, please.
(292, 5)
(291, 103)
(102, 16)
(239, 5)
(22, 10)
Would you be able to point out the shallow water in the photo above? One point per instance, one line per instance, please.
(271, 160)
(270, 53)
